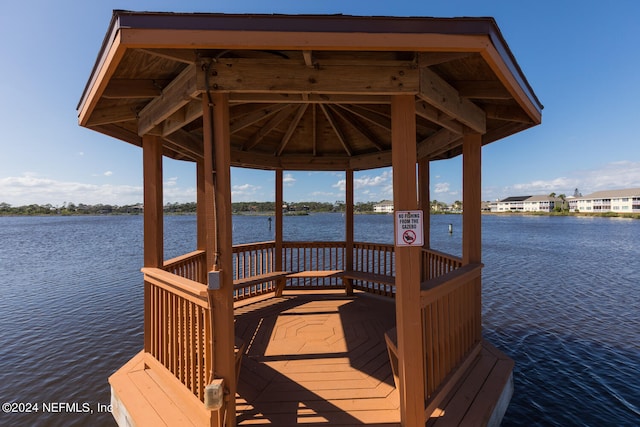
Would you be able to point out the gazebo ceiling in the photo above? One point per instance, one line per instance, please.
(306, 92)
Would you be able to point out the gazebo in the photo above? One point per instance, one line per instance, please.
(319, 93)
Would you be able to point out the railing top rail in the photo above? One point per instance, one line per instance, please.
(254, 244)
(183, 257)
(442, 254)
(180, 284)
(291, 243)
(434, 288)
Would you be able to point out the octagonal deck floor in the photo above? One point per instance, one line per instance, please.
(316, 359)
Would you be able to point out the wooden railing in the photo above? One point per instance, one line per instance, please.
(177, 326)
(451, 327)
(191, 266)
(253, 259)
(435, 264)
(378, 259)
(313, 256)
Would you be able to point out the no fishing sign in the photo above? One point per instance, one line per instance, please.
(409, 231)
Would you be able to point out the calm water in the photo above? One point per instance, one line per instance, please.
(561, 296)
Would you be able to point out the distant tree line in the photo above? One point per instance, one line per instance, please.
(175, 208)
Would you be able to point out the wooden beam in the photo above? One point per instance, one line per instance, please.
(371, 160)
(437, 92)
(437, 143)
(484, 89)
(185, 115)
(408, 316)
(308, 58)
(308, 98)
(237, 75)
(182, 90)
(426, 111)
(153, 219)
(251, 159)
(510, 113)
(187, 143)
(223, 298)
(134, 88)
(314, 163)
(186, 56)
(114, 114)
(427, 59)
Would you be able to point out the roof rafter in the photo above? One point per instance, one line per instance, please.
(336, 129)
(268, 127)
(366, 133)
(292, 127)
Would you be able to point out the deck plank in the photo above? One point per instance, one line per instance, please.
(153, 397)
(321, 359)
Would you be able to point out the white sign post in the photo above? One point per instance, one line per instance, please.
(409, 228)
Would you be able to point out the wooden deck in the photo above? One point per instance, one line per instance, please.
(316, 359)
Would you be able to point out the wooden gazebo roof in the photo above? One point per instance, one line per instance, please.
(306, 92)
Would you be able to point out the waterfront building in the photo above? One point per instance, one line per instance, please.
(280, 332)
(618, 201)
(385, 206)
(526, 204)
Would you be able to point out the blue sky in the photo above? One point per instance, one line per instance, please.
(581, 58)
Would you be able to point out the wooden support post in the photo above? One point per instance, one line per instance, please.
(279, 266)
(223, 298)
(471, 196)
(472, 216)
(423, 199)
(201, 211)
(408, 316)
(153, 219)
(348, 259)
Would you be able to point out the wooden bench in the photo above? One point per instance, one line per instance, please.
(280, 278)
(277, 276)
(480, 396)
(391, 338)
(366, 277)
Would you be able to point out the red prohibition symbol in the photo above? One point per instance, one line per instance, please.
(409, 237)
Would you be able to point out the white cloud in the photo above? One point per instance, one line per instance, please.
(32, 189)
(441, 187)
(246, 193)
(108, 173)
(610, 176)
(288, 179)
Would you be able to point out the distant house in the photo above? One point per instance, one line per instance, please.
(620, 201)
(511, 204)
(541, 203)
(385, 206)
(526, 204)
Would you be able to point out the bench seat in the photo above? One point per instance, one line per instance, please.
(370, 277)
